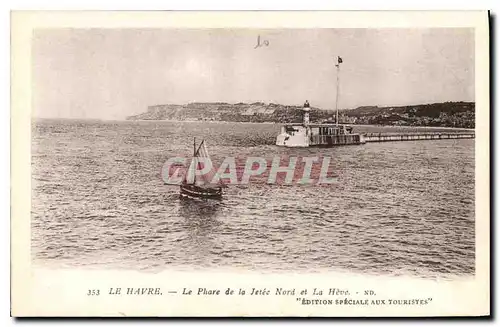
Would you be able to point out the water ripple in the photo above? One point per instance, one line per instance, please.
(398, 208)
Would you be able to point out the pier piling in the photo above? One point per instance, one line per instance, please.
(386, 137)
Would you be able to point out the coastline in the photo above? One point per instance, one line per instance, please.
(235, 122)
(275, 123)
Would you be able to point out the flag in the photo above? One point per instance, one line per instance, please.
(339, 60)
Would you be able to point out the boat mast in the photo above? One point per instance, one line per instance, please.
(194, 147)
(339, 61)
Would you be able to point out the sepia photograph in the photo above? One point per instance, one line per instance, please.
(111, 107)
(280, 151)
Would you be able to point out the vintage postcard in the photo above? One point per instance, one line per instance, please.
(262, 164)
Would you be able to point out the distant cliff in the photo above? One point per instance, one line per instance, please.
(449, 114)
(257, 112)
(452, 114)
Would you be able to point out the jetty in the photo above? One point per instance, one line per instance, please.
(329, 133)
(390, 137)
(310, 135)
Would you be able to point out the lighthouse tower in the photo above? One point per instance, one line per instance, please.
(306, 110)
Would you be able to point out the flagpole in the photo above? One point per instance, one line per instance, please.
(337, 96)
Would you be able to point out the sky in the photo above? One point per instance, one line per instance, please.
(114, 73)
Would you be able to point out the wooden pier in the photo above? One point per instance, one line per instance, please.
(346, 139)
(391, 137)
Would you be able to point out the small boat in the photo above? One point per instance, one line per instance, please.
(196, 186)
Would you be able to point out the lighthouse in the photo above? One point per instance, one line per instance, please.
(307, 134)
(306, 110)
